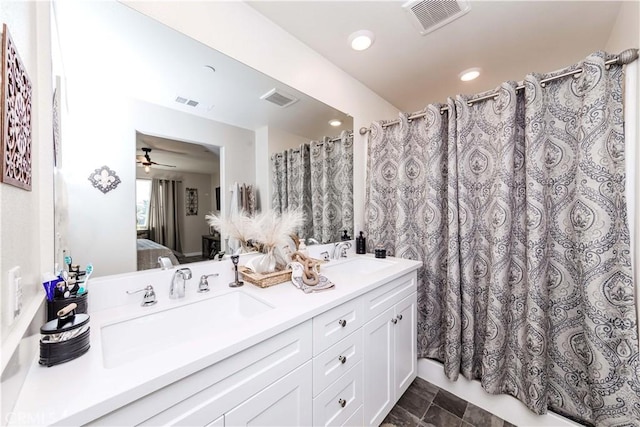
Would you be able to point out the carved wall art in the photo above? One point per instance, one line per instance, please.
(104, 179)
(15, 166)
(191, 199)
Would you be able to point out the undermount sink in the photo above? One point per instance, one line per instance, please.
(355, 266)
(141, 336)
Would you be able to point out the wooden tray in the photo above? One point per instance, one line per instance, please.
(264, 280)
(269, 279)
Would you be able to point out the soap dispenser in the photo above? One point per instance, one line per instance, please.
(361, 244)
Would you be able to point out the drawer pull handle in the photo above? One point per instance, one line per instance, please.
(342, 322)
(394, 320)
(399, 316)
(342, 359)
(342, 402)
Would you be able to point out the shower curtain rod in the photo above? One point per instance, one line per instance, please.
(349, 133)
(623, 58)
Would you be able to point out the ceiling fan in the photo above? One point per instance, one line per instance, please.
(146, 161)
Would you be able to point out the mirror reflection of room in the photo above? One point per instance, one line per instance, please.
(151, 95)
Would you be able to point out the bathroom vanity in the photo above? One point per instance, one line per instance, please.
(230, 357)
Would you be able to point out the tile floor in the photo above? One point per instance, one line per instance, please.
(426, 405)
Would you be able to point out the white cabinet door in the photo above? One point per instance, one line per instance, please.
(287, 402)
(406, 343)
(378, 368)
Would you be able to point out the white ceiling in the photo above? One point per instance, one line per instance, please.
(507, 39)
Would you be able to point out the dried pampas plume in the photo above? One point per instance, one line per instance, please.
(237, 226)
(266, 229)
(273, 230)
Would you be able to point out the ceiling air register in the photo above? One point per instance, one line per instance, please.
(429, 15)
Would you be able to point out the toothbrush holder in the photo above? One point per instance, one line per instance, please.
(59, 303)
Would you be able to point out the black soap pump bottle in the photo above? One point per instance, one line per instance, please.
(361, 244)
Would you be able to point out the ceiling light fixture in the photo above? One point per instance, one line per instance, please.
(147, 169)
(335, 122)
(361, 40)
(469, 74)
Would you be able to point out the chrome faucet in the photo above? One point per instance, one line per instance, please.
(340, 250)
(312, 241)
(178, 282)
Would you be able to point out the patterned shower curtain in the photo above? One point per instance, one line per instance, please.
(332, 188)
(292, 184)
(318, 179)
(517, 208)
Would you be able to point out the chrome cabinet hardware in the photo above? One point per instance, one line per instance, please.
(342, 322)
(342, 402)
(342, 359)
(394, 320)
(399, 317)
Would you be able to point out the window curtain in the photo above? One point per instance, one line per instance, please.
(332, 187)
(517, 208)
(164, 213)
(292, 184)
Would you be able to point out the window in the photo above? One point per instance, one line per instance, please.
(143, 196)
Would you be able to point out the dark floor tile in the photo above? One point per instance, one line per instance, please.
(438, 417)
(424, 388)
(450, 402)
(508, 424)
(415, 403)
(466, 424)
(479, 417)
(399, 417)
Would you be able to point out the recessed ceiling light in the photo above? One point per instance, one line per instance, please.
(470, 74)
(335, 122)
(361, 40)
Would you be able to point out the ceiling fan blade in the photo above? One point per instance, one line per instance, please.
(160, 164)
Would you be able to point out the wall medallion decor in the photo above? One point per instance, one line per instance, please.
(191, 199)
(15, 166)
(104, 179)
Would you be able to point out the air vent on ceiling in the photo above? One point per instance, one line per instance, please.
(429, 15)
(279, 98)
(185, 101)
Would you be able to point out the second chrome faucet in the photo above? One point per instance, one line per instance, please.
(178, 283)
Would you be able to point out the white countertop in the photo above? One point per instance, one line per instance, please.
(81, 390)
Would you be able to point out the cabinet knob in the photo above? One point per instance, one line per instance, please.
(342, 402)
(342, 359)
(399, 316)
(342, 322)
(394, 320)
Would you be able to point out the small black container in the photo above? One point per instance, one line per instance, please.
(361, 244)
(64, 339)
(380, 252)
(59, 303)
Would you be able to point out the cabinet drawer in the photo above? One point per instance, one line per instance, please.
(336, 361)
(357, 419)
(336, 324)
(384, 297)
(340, 401)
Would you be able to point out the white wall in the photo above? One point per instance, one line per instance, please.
(237, 30)
(26, 217)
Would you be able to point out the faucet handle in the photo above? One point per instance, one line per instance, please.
(325, 255)
(149, 297)
(204, 283)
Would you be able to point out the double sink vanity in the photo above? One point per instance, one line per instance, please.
(243, 356)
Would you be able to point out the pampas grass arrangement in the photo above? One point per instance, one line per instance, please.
(265, 231)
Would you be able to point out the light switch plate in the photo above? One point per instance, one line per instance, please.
(14, 295)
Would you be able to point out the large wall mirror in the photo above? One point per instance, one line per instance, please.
(126, 83)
